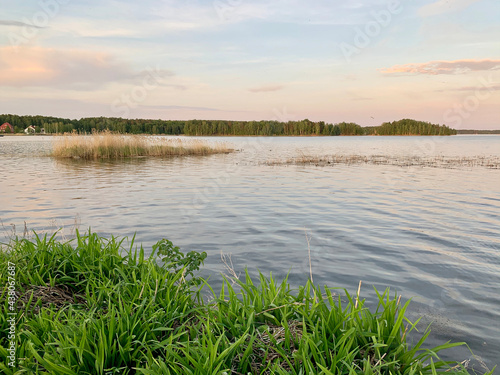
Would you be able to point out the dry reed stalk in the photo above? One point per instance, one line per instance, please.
(380, 360)
(309, 252)
(357, 295)
(228, 264)
(280, 307)
(109, 145)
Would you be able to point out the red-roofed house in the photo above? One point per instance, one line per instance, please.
(5, 126)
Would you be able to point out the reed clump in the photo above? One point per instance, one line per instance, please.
(90, 306)
(110, 145)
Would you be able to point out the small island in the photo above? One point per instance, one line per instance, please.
(109, 145)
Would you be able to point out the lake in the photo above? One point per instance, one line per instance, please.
(429, 233)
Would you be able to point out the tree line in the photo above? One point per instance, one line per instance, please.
(473, 131)
(53, 125)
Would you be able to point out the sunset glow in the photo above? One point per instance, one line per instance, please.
(366, 62)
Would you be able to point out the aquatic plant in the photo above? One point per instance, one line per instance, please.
(109, 145)
(90, 306)
(490, 162)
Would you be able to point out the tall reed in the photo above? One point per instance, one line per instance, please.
(109, 145)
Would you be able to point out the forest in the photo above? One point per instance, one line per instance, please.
(474, 131)
(56, 125)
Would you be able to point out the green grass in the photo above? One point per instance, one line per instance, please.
(90, 306)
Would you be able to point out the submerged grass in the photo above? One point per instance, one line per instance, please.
(490, 162)
(92, 307)
(109, 145)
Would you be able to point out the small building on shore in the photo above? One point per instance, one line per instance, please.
(30, 130)
(6, 127)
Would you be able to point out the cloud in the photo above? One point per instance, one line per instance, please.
(18, 23)
(70, 69)
(179, 107)
(472, 88)
(444, 67)
(267, 88)
(480, 88)
(444, 6)
(148, 18)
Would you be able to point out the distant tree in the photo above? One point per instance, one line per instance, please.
(221, 127)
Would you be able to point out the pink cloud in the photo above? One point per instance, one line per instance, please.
(444, 67)
(72, 69)
(268, 88)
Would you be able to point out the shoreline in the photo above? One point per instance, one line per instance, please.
(259, 136)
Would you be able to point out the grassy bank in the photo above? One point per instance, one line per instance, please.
(92, 307)
(109, 145)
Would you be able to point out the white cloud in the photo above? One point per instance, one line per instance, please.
(18, 23)
(444, 6)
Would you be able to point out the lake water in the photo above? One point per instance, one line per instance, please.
(431, 234)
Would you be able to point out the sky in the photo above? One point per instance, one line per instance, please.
(326, 60)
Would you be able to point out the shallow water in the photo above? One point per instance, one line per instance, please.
(430, 233)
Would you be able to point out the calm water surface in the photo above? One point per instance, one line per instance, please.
(431, 234)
